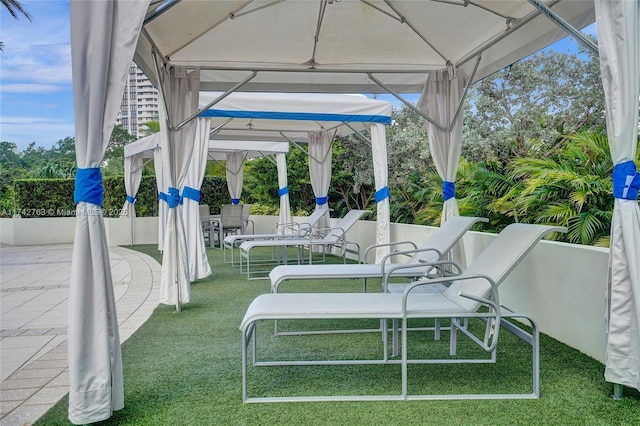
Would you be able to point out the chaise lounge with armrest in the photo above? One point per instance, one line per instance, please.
(280, 230)
(436, 246)
(327, 239)
(476, 287)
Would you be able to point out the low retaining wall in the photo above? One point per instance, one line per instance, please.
(55, 230)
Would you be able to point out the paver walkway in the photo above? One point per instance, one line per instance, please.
(34, 293)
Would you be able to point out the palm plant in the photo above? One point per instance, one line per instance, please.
(572, 188)
(51, 170)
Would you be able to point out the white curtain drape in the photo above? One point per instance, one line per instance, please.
(440, 99)
(283, 189)
(163, 207)
(380, 173)
(619, 44)
(235, 175)
(196, 250)
(132, 179)
(103, 39)
(180, 95)
(320, 170)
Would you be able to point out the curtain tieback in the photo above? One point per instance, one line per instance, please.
(88, 186)
(448, 190)
(382, 194)
(626, 181)
(173, 198)
(322, 200)
(191, 193)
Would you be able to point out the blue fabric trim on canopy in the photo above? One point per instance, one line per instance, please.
(448, 190)
(322, 200)
(131, 199)
(89, 186)
(235, 201)
(163, 197)
(191, 193)
(381, 194)
(174, 199)
(303, 116)
(626, 181)
(283, 191)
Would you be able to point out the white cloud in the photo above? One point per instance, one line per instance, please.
(30, 88)
(39, 51)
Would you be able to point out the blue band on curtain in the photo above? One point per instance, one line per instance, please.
(174, 199)
(191, 193)
(131, 199)
(381, 194)
(89, 186)
(163, 197)
(322, 200)
(448, 190)
(235, 201)
(626, 181)
(283, 191)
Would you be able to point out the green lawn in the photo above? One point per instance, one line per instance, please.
(185, 369)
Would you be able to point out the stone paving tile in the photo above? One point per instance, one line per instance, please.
(48, 395)
(21, 394)
(7, 406)
(32, 373)
(25, 415)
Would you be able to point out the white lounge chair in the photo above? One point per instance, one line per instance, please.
(282, 230)
(335, 238)
(476, 287)
(436, 246)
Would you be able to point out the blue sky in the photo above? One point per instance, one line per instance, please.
(36, 97)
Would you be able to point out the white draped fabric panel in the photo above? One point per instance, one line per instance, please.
(619, 45)
(132, 179)
(163, 207)
(235, 174)
(320, 170)
(439, 101)
(103, 39)
(181, 87)
(196, 250)
(380, 173)
(285, 207)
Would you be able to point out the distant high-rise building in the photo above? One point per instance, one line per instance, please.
(139, 102)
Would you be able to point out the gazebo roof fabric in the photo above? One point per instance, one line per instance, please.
(218, 149)
(296, 44)
(268, 114)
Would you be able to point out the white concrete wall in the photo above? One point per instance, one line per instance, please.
(54, 230)
(562, 286)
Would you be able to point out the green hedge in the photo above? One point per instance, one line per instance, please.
(54, 197)
(215, 193)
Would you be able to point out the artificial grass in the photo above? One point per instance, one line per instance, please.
(185, 369)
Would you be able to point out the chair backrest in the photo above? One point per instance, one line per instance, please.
(231, 215)
(497, 261)
(204, 210)
(345, 223)
(445, 237)
(315, 217)
(246, 211)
